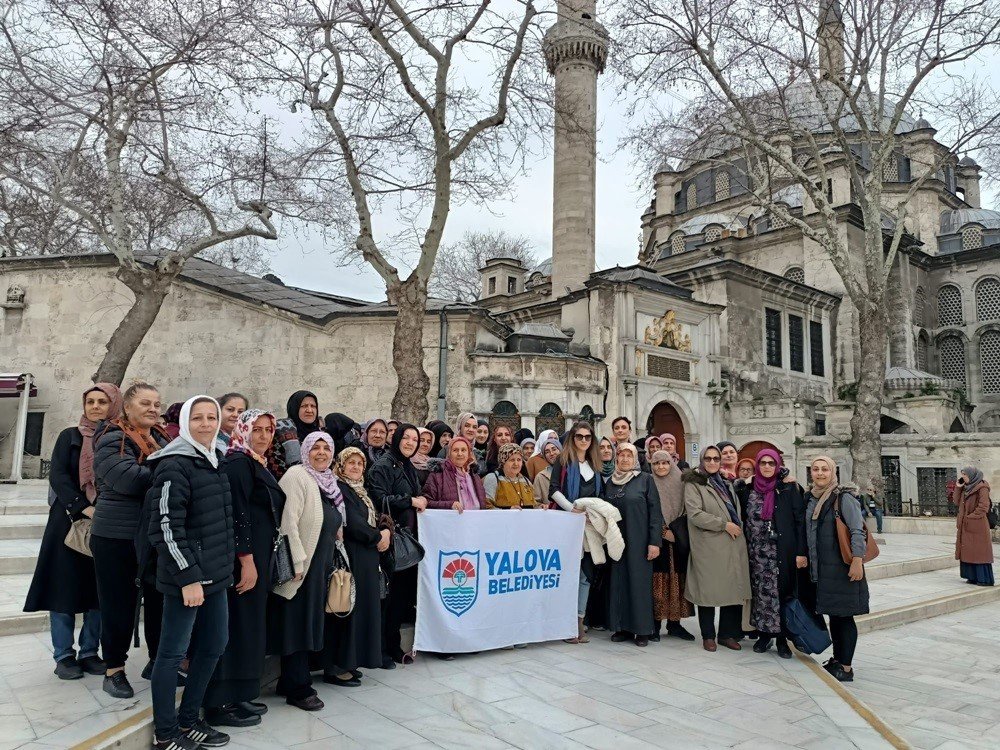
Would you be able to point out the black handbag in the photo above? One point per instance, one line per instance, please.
(406, 550)
(282, 569)
(682, 542)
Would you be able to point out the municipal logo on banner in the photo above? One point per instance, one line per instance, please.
(458, 580)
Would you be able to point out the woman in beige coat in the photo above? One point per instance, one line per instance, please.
(719, 569)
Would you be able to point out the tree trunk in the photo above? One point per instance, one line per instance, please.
(149, 288)
(866, 443)
(409, 403)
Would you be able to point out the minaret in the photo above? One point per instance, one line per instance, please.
(830, 36)
(576, 48)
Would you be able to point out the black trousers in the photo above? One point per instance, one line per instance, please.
(295, 681)
(844, 634)
(730, 621)
(398, 608)
(116, 565)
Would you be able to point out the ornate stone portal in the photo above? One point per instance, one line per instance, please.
(668, 333)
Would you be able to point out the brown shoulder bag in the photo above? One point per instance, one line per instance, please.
(844, 539)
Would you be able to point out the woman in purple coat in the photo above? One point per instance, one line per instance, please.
(454, 487)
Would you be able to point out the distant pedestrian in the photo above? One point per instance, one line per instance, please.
(973, 545)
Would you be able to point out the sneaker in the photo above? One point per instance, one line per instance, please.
(202, 734)
(181, 742)
(92, 665)
(831, 666)
(231, 716)
(68, 669)
(117, 685)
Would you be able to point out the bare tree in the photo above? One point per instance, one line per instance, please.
(798, 93)
(408, 104)
(456, 272)
(124, 122)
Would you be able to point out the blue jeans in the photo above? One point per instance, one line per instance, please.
(62, 625)
(209, 624)
(877, 512)
(583, 592)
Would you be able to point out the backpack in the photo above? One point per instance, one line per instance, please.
(807, 634)
(993, 515)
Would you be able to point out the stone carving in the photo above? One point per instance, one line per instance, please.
(15, 295)
(667, 332)
(758, 429)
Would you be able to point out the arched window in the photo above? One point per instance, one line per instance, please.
(972, 237)
(988, 299)
(950, 306)
(692, 196)
(795, 273)
(952, 353)
(922, 352)
(506, 414)
(989, 361)
(587, 415)
(722, 186)
(920, 307)
(713, 233)
(677, 243)
(990, 422)
(550, 417)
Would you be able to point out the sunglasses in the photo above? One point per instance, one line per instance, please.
(581, 436)
(766, 462)
(712, 460)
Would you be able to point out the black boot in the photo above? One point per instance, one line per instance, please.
(783, 650)
(676, 630)
(762, 645)
(655, 637)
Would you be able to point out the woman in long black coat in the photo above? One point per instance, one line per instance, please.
(64, 582)
(258, 502)
(633, 492)
(395, 488)
(356, 640)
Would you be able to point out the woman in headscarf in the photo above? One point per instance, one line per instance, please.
(422, 460)
(973, 545)
(311, 520)
(373, 443)
(442, 436)
(341, 428)
(718, 568)
(454, 487)
(841, 589)
(577, 475)
(774, 523)
(537, 462)
(606, 449)
(482, 443)
(303, 418)
(258, 504)
(172, 419)
(651, 446)
(551, 451)
(730, 457)
(633, 493)
(232, 405)
(502, 436)
(395, 489)
(64, 582)
(744, 470)
(670, 446)
(507, 487)
(356, 640)
(527, 448)
(669, 569)
(118, 539)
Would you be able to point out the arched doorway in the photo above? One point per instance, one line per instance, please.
(665, 418)
(751, 449)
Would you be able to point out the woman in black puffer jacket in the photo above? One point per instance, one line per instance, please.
(122, 477)
(395, 488)
(191, 527)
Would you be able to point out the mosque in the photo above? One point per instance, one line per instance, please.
(731, 324)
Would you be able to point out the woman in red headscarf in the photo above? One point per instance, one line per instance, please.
(774, 524)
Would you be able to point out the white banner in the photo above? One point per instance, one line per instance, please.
(494, 578)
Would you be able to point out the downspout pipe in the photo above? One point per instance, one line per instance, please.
(443, 358)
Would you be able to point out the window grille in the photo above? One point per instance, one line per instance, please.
(506, 414)
(795, 273)
(692, 196)
(722, 186)
(950, 306)
(772, 335)
(920, 307)
(587, 415)
(713, 233)
(550, 417)
(677, 243)
(778, 222)
(796, 344)
(816, 347)
(988, 299)
(952, 354)
(972, 237)
(932, 490)
(989, 361)
(668, 367)
(890, 169)
(922, 354)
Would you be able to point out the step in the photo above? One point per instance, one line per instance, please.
(22, 526)
(30, 498)
(879, 571)
(18, 555)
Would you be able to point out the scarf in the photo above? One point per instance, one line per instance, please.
(573, 479)
(87, 428)
(239, 441)
(463, 477)
(464, 417)
(717, 482)
(543, 437)
(359, 486)
(338, 426)
(663, 441)
(325, 479)
(766, 487)
(144, 441)
(624, 477)
(209, 454)
(728, 467)
(301, 428)
(823, 495)
(418, 459)
(608, 467)
(670, 489)
(374, 454)
(975, 477)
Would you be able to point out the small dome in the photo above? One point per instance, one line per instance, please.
(665, 167)
(543, 268)
(922, 124)
(952, 221)
(790, 195)
(697, 224)
(968, 161)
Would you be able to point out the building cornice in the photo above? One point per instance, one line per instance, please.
(728, 269)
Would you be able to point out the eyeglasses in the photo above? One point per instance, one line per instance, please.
(712, 459)
(766, 462)
(582, 436)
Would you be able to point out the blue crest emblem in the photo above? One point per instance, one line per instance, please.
(458, 580)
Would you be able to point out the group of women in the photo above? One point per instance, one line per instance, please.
(222, 527)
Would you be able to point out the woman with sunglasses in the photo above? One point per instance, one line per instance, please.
(577, 474)
(774, 522)
(718, 568)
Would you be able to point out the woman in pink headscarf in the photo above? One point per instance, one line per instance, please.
(774, 524)
(670, 446)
